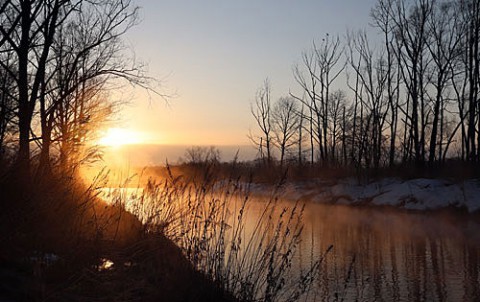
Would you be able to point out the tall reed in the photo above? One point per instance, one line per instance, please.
(245, 246)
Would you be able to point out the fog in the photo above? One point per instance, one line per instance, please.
(389, 255)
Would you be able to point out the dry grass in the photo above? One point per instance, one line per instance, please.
(178, 237)
(60, 233)
(207, 218)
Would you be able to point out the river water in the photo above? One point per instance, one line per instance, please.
(383, 254)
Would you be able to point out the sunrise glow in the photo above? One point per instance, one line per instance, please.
(115, 137)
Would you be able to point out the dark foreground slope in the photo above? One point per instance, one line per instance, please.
(59, 242)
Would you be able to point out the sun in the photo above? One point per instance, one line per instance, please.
(116, 137)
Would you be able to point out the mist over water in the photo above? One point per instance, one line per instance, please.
(378, 254)
(388, 255)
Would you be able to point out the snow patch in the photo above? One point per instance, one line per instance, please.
(414, 194)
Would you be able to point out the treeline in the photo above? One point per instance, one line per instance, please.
(58, 61)
(410, 97)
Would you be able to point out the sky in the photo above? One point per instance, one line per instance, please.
(212, 56)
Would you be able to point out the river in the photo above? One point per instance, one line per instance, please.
(385, 254)
(382, 254)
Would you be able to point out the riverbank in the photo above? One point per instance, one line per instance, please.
(456, 188)
(60, 242)
(413, 194)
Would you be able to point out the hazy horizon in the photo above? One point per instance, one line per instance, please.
(158, 154)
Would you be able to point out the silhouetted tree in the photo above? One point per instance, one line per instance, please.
(383, 21)
(261, 111)
(7, 106)
(321, 67)
(305, 76)
(59, 52)
(470, 15)
(411, 34)
(87, 54)
(443, 44)
(372, 76)
(337, 123)
(412, 97)
(285, 120)
(197, 155)
(28, 28)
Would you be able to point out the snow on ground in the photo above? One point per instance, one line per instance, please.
(414, 194)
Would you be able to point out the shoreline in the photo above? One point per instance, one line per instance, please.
(419, 194)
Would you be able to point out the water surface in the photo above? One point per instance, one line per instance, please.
(382, 254)
(389, 255)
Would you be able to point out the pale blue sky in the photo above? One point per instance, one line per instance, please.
(217, 53)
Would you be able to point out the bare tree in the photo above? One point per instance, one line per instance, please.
(328, 56)
(372, 75)
(197, 155)
(300, 135)
(410, 29)
(285, 120)
(28, 28)
(414, 96)
(383, 21)
(471, 18)
(321, 67)
(309, 84)
(337, 123)
(7, 107)
(59, 50)
(443, 44)
(261, 111)
(87, 54)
